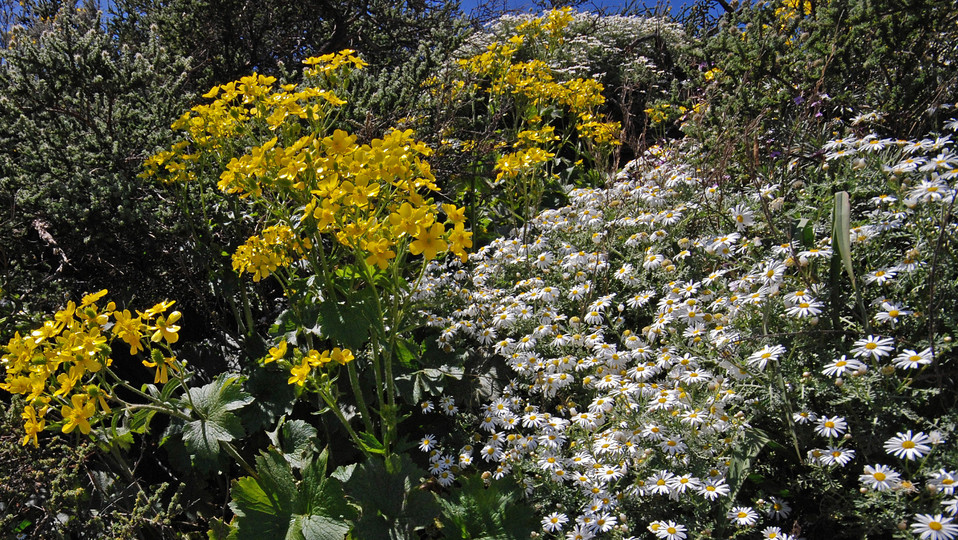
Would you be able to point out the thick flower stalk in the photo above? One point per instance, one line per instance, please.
(342, 222)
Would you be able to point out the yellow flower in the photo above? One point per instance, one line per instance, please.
(32, 426)
(128, 329)
(300, 372)
(408, 220)
(379, 253)
(68, 381)
(459, 240)
(276, 353)
(162, 365)
(453, 214)
(92, 297)
(166, 329)
(342, 356)
(159, 308)
(78, 415)
(316, 359)
(429, 242)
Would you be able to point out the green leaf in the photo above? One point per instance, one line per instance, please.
(744, 452)
(841, 237)
(348, 323)
(257, 517)
(276, 506)
(296, 440)
(371, 443)
(323, 503)
(273, 398)
(276, 478)
(392, 504)
(212, 403)
(804, 233)
(478, 511)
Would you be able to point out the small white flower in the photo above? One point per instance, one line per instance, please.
(934, 527)
(880, 478)
(909, 359)
(839, 366)
(743, 515)
(554, 522)
(873, 346)
(908, 446)
(831, 426)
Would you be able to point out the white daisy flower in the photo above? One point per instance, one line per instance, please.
(909, 359)
(880, 478)
(743, 515)
(908, 446)
(934, 527)
(873, 346)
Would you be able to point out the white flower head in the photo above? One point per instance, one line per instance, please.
(908, 446)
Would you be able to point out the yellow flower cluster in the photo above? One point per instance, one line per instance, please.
(535, 82)
(661, 113)
(552, 25)
(57, 363)
(793, 8)
(328, 64)
(521, 162)
(533, 86)
(370, 197)
(302, 365)
(262, 255)
(210, 128)
(315, 359)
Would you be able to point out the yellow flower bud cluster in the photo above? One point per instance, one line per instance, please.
(59, 362)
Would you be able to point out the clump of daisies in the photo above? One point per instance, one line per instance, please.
(650, 330)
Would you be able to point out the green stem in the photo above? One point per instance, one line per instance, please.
(360, 400)
(158, 408)
(231, 450)
(333, 406)
(788, 407)
(127, 386)
(247, 311)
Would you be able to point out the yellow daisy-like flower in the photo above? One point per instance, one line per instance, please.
(32, 426)
(276, 353)
(429, 242)
(300, 372)
(78, 415)
(166, 329)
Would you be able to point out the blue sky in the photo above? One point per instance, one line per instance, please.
(611, 6)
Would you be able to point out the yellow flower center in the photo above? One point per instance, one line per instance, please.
(880, 476)
(907, 444)
(934, 525)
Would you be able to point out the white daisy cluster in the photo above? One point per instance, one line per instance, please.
(637, 320)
